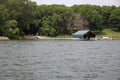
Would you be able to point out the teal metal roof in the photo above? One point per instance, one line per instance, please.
(80, 34)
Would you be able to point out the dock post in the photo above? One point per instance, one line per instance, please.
(111, 37)
(96, 38)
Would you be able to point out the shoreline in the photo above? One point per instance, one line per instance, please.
(57, 38)
(3, 38)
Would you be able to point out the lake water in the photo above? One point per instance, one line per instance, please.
(60, 60)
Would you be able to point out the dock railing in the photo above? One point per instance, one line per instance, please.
(103, 38)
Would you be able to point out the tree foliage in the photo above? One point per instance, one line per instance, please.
(12, 31)
(106, 12)
(115, 19)
(22, 17)
(95, 20)
(3, 17)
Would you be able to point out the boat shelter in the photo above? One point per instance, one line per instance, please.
(84, 34)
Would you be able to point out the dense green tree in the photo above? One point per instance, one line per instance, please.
(46, 28)
(60, 17)
(56, 21)
(22, 12)
(115, 19)
(57, 14)
(106, 12)
(12, 31)
(94, 20)
(3, 17)
(84, 9)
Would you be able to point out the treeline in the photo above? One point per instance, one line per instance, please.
(23, 17)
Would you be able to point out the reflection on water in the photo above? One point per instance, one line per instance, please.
(59, 60)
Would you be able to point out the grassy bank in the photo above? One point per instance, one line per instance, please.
(110, 33)
(64, 36)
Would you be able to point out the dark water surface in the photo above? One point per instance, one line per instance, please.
(59, 60)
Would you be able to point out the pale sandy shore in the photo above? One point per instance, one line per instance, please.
(46, 38)
(52, 38)
(55, 38)
(4, 38)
